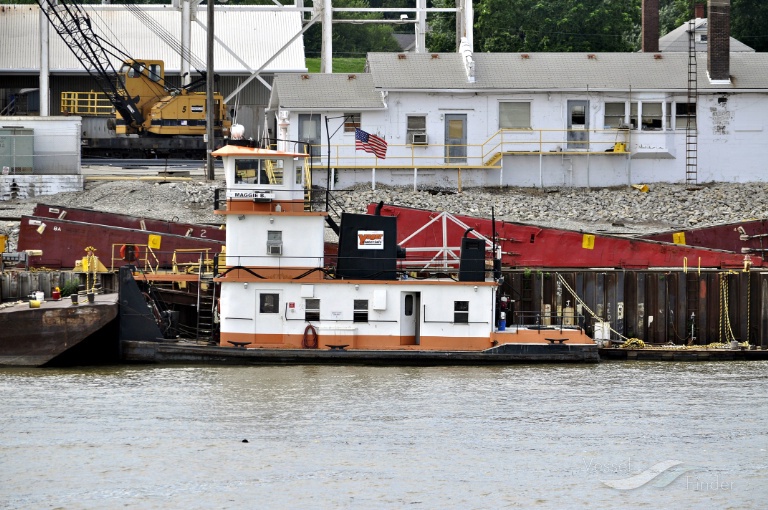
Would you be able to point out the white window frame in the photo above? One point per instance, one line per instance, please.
(622, 119)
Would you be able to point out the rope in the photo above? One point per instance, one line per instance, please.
(584, 305)
(725, 320)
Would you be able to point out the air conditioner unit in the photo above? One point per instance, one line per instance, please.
(418, 139)
(274, 249)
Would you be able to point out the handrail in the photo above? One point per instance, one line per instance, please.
(482, 155)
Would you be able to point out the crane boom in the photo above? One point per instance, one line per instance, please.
(73, 24)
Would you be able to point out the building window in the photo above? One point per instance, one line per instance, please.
(416, 128)
(461, 312)
(651, 117)
(515, 115)
(614, 115)
(633, 116)
(312, 310)
(269, 303)
(360, 312)
(668, 116)
(685, 112)
(351, 122)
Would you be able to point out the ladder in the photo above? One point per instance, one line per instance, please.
(206, 302)
(691, 134)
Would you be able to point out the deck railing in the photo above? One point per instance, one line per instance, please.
(483, 155)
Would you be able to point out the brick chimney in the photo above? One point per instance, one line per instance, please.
(719, 40)
(650, 30)
(698, 10)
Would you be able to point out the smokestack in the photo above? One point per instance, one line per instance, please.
(698, 11)
(650, 26)
(719, 40)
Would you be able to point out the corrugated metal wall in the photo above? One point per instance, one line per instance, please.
(655, 306)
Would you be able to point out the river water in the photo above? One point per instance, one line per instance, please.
(613, 435)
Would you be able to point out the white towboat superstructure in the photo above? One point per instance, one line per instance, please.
(280, 291)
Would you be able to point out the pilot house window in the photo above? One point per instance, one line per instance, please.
(258, 171)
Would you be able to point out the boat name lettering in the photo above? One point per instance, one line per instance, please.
(370, 239)
(251, 194)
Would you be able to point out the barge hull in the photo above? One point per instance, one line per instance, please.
(42, 336)
(163, 352)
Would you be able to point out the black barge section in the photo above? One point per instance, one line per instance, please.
(181, 352)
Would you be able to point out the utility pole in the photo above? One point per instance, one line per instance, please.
(210, 107)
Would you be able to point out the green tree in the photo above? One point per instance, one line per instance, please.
(352, 40)
(749, 23)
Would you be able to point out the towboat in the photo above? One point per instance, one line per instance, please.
(282, 299)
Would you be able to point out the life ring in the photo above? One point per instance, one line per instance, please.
(310, 337)
(129, 252)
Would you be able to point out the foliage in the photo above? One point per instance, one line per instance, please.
(69, 287)
(349, 39)
(340, 65)
(515, 25)
(441, 35)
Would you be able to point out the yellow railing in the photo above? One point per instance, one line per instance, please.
(484, 155)
(86, 103)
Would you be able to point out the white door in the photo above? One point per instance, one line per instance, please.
(409, 318)
(578, 125)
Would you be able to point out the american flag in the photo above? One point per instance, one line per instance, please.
(370, 143)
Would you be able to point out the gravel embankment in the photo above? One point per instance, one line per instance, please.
(618, 210)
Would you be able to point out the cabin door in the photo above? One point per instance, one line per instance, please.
(455, 138)
(578, 125)
(409, 318)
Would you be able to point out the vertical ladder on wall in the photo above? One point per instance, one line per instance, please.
(691, 135)
(206, 301)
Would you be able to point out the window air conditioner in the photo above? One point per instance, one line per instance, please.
(274, 249)
(418, 139)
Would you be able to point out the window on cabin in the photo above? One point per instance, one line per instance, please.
(351, 121)
(651, 117)
(633, 116)
(461, 312)
(416, 125)
(360, 310)
(154, 72)
(298, 175)
(312, 310)
(685, 113)
(258, 171)
(515, 115)
(269, 303)
(614, 115)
